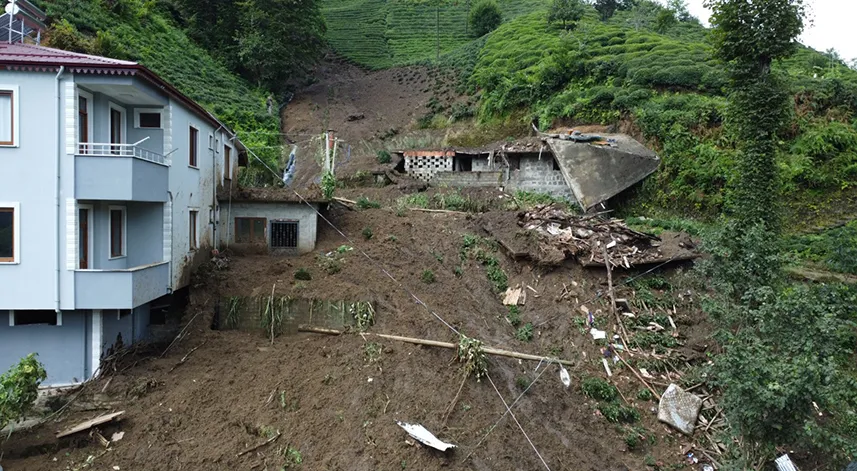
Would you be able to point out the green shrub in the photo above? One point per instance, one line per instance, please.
(597, 388)
(367, 233)
(427, 276)
(330, 265)
(365, 203)
(514, 316)
(617, 413)
(485, 16)
(523, 382)
(303, 274)
(525, 332)
(19, 388)
(384, 157)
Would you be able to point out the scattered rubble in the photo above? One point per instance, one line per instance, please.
(679, 409)
(560, 234)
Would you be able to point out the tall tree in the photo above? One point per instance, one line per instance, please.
(279, 41)
(749, 35)
(567, 12)
(607, 8)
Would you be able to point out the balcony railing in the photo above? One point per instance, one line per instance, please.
(122, 150)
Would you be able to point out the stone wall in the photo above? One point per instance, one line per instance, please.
(539, 175)
(468, 179)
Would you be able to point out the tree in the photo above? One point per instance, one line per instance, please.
(679, 9)
(485, 17)
(568, 12)
(19, 388)
(748, 37)
(665, 20)
(279, 41)
(607, 8)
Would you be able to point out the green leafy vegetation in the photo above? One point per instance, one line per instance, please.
(834, 249)
(367, 233)
(525, 332)
(485, 16)
(597, 388)
(19, 388)
(365, 203)
(514, 316)
(384, 157)
(303, 274)
(471, 353)
(427, 277)
(565, 12)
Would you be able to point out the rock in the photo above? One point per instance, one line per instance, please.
(679, 409)
(355, 117)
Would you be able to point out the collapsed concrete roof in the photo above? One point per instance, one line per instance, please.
(602, 167)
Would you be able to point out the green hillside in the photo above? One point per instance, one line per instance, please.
(385, 33)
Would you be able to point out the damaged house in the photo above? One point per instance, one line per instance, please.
(589, 169)
(110, 202)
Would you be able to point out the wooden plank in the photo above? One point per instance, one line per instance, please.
(90, 423)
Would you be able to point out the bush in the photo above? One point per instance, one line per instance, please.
(365, 203)
(525, 333)
(567, 12)
(303, 274)
(617, 413)
(19, 388)
(485, 16)
(514, 316)
(597, 388)
(428, 277)
(367, 233)
(384, 157)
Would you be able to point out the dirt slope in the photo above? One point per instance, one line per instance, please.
(335, 400)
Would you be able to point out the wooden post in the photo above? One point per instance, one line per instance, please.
(271, 305)
(619, 323)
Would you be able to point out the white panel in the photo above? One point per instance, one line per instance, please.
(95, 347)
(168, 231)
(168, 129)
(70, 121)
(71, 234)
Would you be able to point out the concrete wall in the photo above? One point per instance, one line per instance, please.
(306, 217)
(535, 174)
(29, 179)
(63, 349)
(192, 188)
(469, 179)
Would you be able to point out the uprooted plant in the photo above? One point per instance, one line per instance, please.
(471, 353)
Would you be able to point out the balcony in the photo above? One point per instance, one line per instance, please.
(121, 172)
(122, 288)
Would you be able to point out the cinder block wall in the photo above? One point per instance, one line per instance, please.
(539, 175)
(468, 179)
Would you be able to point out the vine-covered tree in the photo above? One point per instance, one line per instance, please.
(566, 12)
(749, 36)
(485, 16)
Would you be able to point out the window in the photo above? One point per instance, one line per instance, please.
(116, 127)
(117, 231)
(82, 122)
(9, 233)
(284, 234)
(193, 222)
(227, 162)
(44, 316)
(193, 145)
(250, 230)
(147, 119)
(210, 141)
(8, 115)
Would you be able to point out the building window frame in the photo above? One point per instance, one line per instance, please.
(90, 226)
(193, 229)
(193, 146)
(123, 227)
(123, 136)
(15, 208)
(12, 322)
(14, 92)
(89, 119)
(227, 162)
(139, 111)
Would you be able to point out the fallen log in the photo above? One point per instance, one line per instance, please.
(435, 343)
(90, 423)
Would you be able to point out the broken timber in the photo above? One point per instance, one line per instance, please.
(90, 423)
(435, 343)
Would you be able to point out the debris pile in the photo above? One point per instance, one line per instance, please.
(560, 234)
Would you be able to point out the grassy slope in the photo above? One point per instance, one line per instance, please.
(385, 33)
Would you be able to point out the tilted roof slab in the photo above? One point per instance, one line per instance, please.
(597, 171)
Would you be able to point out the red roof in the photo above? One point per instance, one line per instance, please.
(38, 58)
(28, 54)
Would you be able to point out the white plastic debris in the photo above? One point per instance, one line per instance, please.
(117, 436)
(707, 467)
(564, 377)
(784, 463)
(598, 334)
(679, 409)
(424, 436)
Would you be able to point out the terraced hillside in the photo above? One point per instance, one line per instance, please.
(386, 33)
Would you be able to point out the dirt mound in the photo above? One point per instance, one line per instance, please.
(334, 400)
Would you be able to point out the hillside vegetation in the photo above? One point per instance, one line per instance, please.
(386, 33)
